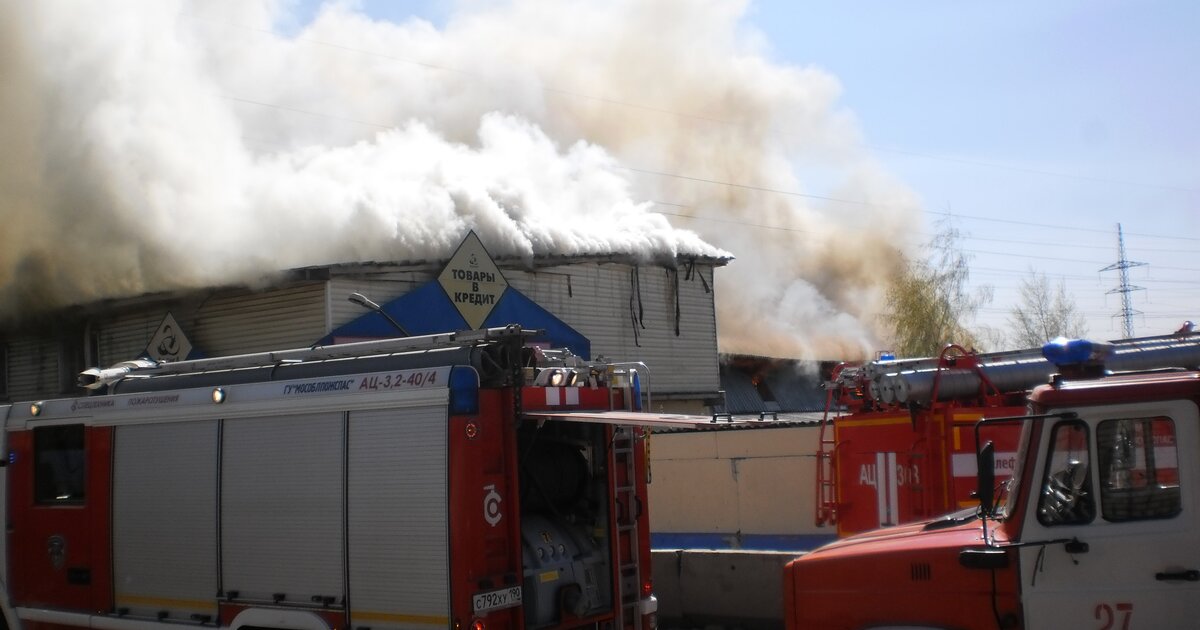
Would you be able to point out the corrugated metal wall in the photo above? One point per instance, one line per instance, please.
(595, 299)
(225, 322)
(33, 368)
(238, 322)
(380, 287)
(217, 322)
(125, 336)
(628, 313)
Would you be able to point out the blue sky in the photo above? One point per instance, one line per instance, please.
(1034, 127)
(1038, 126)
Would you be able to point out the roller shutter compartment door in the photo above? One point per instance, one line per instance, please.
(164, 519)
(281, 508)
(399, 557)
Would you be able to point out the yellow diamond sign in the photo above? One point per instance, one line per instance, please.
(472, 281)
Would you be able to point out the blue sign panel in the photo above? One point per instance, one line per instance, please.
(426, 311)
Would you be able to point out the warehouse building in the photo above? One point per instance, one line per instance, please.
(743, 487)
(613, 306)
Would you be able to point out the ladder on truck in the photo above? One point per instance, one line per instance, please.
(826, 513)
(629, 508)
(513, 335)
(623, 464)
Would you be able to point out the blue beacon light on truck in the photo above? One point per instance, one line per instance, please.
(464, 391)
(1069, 352)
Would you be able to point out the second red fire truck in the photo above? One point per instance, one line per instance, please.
(1097, 527)
(899, 445)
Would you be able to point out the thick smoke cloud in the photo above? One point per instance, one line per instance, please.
(156, 144)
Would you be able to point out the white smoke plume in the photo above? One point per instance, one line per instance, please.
(158, 144)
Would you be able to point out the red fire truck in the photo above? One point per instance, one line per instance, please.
(898, 444)
(463, 480)
(1098, 526)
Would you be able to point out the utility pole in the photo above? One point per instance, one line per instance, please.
(1124, 265)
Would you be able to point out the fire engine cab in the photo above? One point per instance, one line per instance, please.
(1097, 527)
(465, 480)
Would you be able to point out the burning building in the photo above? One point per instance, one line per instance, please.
(613, 306)
(189, 145)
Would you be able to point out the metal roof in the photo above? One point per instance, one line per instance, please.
(757, 385)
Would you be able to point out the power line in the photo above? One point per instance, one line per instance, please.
(721, 182)
(1055, 245)
(306, 112)
(974, 251)
(676, 113)
(1074, 228)
(1032, 257)
(440, 67)
(857, 202)
(1022, 169)
(777, 191)
(737, 222)
(767, 190)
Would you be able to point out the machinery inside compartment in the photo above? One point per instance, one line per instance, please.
(565, 531)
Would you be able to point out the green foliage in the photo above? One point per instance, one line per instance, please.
(928, 300)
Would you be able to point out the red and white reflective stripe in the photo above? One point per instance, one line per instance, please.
(554, 396)
(963, 464)
(886, 489)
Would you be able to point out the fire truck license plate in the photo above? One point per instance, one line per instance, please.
(493, 600)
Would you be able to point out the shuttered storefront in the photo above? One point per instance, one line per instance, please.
(34, 368)
(224, 323)
(240, 322)
(124, 337)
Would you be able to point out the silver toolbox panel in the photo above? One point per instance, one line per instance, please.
(399, 556)
(281, 508)
(164, 525)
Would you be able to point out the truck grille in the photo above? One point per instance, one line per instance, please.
(921, 572)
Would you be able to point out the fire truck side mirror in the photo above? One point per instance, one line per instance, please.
(987, 478)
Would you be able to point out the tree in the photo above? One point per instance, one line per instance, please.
(1044, 313)
(928, 300)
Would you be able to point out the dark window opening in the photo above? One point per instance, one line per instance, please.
(70, 363)
(1139, 469)
(764, 391)
(1067, 485)
(59, 459)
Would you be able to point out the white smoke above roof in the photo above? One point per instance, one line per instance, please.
(157, 144)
